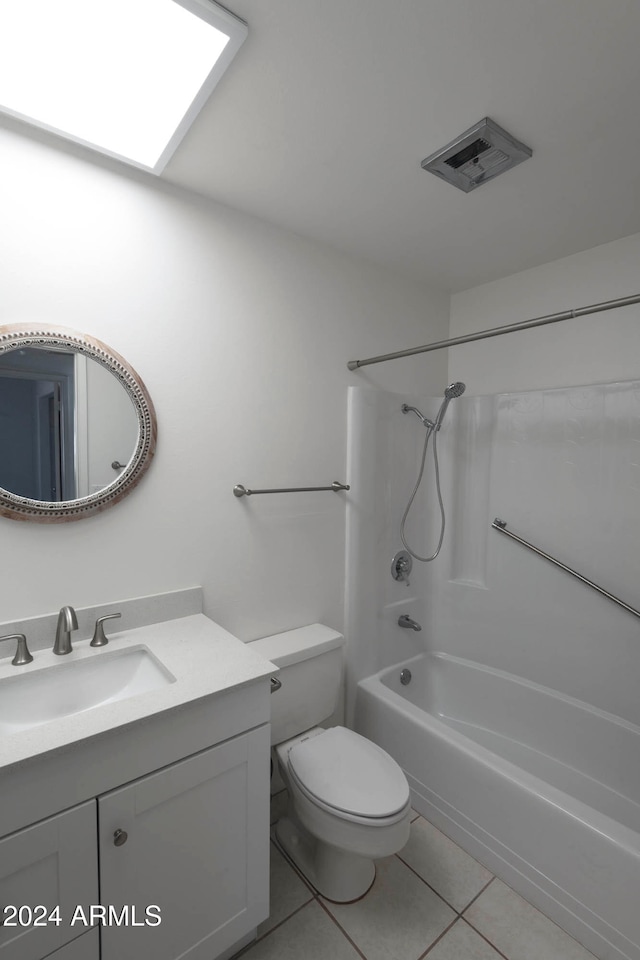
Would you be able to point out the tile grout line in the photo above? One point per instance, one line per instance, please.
(268, 933)
(478, 894)
(457, 912)
(486, 939)
(543, 915)
(284, 920)
(342, 930)
(439, 938)
(475, 929)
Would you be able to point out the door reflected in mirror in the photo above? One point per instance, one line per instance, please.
(64, 421)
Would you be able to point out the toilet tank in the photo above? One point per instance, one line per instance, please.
(311, 664)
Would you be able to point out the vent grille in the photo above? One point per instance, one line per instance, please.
(479, 154)
(468, 153)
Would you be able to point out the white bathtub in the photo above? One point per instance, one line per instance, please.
(541, 788)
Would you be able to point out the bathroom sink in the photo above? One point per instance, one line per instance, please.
(65, 689)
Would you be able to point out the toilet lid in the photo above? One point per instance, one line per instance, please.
(349, 773)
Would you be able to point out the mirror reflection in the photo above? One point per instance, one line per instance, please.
(67, 425)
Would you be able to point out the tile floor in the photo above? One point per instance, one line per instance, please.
(431, 901)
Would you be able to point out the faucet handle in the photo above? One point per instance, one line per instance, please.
(22, 654)
(99, 639)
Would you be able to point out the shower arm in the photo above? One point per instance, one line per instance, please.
(499, 331)
(501, 527)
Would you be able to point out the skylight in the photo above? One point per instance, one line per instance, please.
(125, 77)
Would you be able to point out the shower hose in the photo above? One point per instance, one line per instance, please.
(416, 556)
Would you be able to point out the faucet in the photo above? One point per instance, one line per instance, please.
(22, 654)
(67, 621)
(406, 621)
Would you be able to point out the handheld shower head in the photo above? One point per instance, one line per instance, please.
(453, 391)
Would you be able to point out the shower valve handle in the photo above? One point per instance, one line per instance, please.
(401, 566)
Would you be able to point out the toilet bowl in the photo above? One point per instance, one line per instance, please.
(348, 800)
(348, 806)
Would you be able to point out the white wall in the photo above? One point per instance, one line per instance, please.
(241, 333)
(597, 348)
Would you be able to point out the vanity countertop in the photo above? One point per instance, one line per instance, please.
(204, 658)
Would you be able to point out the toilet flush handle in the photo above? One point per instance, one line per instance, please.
(275, 684)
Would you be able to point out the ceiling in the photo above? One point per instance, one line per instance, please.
(321, 123)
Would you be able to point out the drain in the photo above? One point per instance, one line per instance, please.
(405, 677)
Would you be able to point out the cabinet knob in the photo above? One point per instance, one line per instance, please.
(120, 837)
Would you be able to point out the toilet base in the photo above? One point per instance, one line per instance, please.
(338, 875)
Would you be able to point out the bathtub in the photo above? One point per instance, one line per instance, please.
(543, 789)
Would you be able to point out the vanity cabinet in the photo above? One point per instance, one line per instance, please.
(51, 864)
(187, 845)
(195, 854)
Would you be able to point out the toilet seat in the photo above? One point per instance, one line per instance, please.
(349, 777)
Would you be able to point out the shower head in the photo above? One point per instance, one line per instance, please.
(453, 391)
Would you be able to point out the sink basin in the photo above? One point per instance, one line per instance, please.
(65, 689)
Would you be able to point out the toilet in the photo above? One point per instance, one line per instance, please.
(349, 800)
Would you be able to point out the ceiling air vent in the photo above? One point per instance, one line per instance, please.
(479, 154)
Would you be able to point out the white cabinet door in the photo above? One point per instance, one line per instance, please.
(85, 947)
(196, 850)
(50, 864)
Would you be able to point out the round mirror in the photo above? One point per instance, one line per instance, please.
(77, 426)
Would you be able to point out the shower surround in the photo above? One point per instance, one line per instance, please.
(562, 467)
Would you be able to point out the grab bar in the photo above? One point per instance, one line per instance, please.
(240, 491)
(501, 526)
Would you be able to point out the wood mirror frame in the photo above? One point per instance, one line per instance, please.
(43, 336)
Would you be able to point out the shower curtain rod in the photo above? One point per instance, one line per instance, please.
(499, 331)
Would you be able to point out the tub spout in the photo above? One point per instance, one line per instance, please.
(406, 621)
